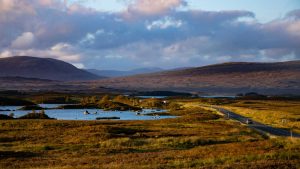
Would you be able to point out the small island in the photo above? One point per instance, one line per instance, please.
(107, 118)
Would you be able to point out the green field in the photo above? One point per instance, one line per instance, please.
(197, 139)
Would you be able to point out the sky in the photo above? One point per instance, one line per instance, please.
(129, 34)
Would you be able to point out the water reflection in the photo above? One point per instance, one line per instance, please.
(78, 114)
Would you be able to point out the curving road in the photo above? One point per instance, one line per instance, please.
(256, 125)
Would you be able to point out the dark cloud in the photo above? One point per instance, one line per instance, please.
(294, 14)
(161, 36)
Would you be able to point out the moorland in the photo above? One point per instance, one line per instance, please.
(197, 138)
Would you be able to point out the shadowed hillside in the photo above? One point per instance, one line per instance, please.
(42, 68)
(277, 78)
(227, 78)
(118, 73)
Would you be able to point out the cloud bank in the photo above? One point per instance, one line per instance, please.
(148, 33)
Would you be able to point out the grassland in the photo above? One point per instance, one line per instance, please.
(281, 114)
(197, 139)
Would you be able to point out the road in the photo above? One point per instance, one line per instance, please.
(256, 125)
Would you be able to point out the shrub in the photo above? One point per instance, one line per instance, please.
(5, 117)
(34, 115)
(31, 107)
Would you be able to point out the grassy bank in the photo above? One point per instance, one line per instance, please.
(282, 114)
(198, 139)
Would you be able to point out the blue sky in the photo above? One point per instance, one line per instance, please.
(128, 34)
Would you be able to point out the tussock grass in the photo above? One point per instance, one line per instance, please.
(282, 114)
(198, 139)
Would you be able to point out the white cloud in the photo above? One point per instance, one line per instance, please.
(79, 65)
(5, 54)
(89, 39)
(154, 7)
(65, 52)
(164, 23)
(61, 47)
(25, 40)
(61, 51)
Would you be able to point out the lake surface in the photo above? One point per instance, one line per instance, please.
(218, 96)
(153, 97)
(77, 114)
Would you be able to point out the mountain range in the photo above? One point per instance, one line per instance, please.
(280, 77)
(42, 68)
(24, 72)
(119, 73)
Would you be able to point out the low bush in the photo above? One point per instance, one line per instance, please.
(34, 115)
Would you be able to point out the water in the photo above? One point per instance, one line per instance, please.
(218, 97)
(51, 106)
(77, 114)
(154, 97)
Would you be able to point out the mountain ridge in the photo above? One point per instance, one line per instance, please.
(119, 73)
(42, 68)
(226, 78)
(233, 77)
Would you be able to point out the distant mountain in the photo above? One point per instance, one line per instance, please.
(18, 85)
(42, 68)
(275, 78)
(118, 73)
(30, 84)
(28, 73)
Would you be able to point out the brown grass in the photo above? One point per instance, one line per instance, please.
(282, 114)
(198, 139)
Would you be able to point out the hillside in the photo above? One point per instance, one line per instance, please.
(119, 73)
(42, 68)
(228, 78)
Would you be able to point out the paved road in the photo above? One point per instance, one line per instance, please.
(256, 125)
